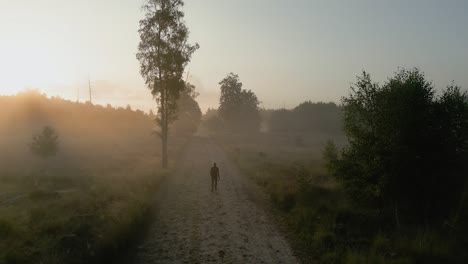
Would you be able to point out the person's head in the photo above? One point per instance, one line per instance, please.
(214, 164)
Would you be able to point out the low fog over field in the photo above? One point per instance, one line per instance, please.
(171, 131)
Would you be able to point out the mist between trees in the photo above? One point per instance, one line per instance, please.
(77, 180)
(239, 112)
(86, 129)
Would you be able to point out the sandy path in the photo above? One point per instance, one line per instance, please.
(194, 225)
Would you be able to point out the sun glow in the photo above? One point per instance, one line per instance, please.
(40, 56)
(32, 66)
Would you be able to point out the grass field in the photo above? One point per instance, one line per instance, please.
(327, 227)
(72, 221)
(93, 198)
(75, 214)
(70, 215)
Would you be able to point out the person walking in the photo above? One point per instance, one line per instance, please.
(214, 177)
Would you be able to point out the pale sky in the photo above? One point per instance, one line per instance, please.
(285, 51)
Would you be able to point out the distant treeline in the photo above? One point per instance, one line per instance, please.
(32, 108)
(306, 117)
(84, 129)
(239, 112)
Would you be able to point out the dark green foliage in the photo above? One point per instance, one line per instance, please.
(45, 144)
(238, 108)
(308, 117)
(163, 50)
(330, 229)
(407, 148)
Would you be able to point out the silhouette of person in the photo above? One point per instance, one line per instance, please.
(214, 177)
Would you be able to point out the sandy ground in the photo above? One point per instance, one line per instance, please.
(195, 225)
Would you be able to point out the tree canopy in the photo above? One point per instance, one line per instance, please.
(308, 117)
(163, 53)
(408, 148)
(238, 108)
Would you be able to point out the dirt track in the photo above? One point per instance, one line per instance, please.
(194, 225)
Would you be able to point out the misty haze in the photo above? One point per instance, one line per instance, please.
(261, 131)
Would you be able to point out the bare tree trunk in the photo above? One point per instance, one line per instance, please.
(164, 128)
(164, 148)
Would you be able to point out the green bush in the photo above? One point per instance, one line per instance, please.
(407, 148)
(330, 228)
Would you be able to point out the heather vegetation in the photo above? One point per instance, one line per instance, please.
(383, 180)
(77, 180)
